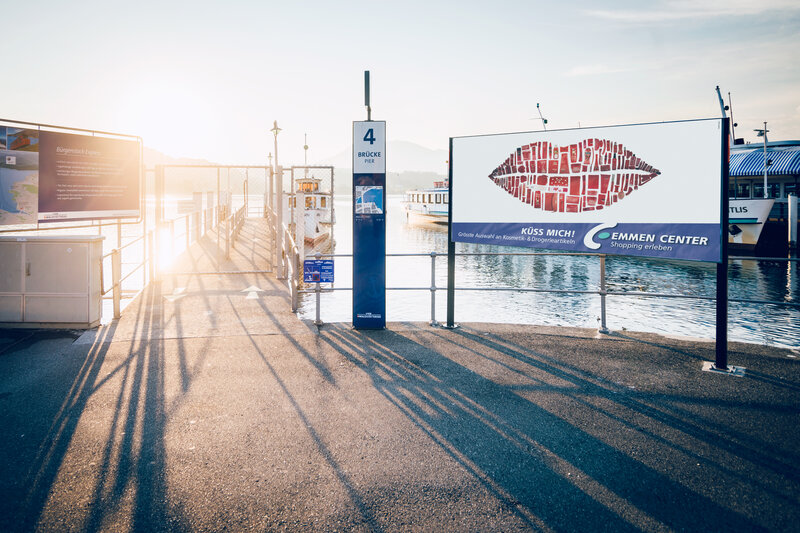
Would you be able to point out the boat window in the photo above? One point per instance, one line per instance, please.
(744, 190)
(447, 198)
(309, 202)
(438, 198)
(774, 190)
(324, 202)
(789, 188)
(758, 190)
(731, 190)
(294, 202)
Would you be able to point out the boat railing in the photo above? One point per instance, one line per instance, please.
(602, 291)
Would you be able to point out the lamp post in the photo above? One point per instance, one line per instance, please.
(763, 133)
(279, 207)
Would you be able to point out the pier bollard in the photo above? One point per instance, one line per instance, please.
(603, 329)
(116, 276)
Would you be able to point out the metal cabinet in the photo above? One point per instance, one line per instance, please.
(51, 281)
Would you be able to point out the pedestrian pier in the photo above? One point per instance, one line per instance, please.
(210, 406)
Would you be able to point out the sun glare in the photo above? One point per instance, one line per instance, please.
(170, 115)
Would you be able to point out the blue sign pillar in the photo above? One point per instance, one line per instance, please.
(369, 225)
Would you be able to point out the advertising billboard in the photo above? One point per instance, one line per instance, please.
(650, 190)
(83, 177)
(19, 175)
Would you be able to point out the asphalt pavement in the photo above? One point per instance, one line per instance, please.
(210, 406)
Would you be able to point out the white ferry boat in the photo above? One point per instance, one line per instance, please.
(428, 205)
(318, 215)
(746, 220)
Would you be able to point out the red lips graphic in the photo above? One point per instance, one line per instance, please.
(584, 176)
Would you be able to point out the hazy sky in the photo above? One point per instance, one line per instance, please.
(206, 79)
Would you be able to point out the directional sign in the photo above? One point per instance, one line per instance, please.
(318, 271)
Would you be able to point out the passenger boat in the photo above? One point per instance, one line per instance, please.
(318, 215)
(746, 220)
(428, 205)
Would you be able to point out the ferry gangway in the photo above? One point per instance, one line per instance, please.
(602, 291)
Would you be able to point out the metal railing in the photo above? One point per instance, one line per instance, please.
(602, 291)
(197, 224)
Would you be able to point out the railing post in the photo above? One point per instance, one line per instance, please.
(295, 280)
(116, 276)
(188, 229)
(433, 290)
(151, 246)
(171, 233)
(318, 291)
(603, 329)
(792, 225)
(227, 237)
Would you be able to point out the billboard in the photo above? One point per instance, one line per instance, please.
(83, 177)
(650, 190)
(19, 175)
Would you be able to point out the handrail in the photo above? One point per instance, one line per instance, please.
(602, 291)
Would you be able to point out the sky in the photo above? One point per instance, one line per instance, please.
(206, 79)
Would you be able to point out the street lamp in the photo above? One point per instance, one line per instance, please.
(763, 133)
(275, 130)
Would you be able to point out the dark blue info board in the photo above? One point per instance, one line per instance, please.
(318, 271)
(369, 225)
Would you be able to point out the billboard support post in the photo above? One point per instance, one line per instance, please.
(721, 362)
(451, 247)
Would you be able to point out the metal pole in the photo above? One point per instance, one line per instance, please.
(433, 290)
(159, 186)
(721, 362)
(792, 221)
(451, 249)
(366, 95)
(765, 160)
(317, 290)
(116, 276)
(279, 258)
(217, 211)
(227, 237)
(603, 329)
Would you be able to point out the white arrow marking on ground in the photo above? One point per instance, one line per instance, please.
(252, 292)
(177, 294)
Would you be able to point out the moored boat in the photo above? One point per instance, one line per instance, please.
(316, 210)
(428, 205)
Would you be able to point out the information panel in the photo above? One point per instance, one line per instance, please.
(369, 225)
(83, 177)
(318, 271)
(650, 190)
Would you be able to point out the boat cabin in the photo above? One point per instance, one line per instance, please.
(783, 173)
(314, 198)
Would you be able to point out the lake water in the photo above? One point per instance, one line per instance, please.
(748, 279)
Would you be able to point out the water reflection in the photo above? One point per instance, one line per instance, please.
(758, 323)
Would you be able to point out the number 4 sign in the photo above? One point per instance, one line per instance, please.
(369, 147)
